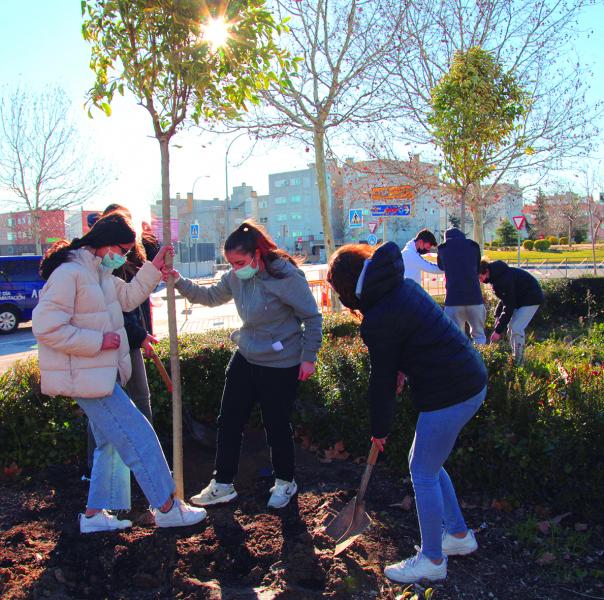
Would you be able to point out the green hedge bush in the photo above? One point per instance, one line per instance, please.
(538, 438)
(552, 239)
(528, 244)
(563, 241)
(541, 245)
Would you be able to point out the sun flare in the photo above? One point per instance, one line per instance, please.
(216, 32)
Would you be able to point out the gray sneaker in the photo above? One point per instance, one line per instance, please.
(453, 546)
(180, 515)
(214, 493)
(281, 493)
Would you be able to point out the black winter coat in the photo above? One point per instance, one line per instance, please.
(514, 288)
(459, 258)
(405, 330)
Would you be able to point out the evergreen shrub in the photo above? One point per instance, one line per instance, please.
(537, 439)
(541, 245)
(528, 244)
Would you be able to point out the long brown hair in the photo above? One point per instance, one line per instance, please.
(345, 266)
(249, 237)
(110, 230)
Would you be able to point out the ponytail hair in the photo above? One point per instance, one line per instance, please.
(249, 237)
(110, 230)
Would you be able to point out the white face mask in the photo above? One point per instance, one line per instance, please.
(248, 271)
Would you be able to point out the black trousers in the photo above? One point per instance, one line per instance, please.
(275, 390)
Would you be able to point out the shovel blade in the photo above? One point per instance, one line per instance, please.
(341, 522)
(361, 523)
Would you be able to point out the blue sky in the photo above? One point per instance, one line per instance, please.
(41, 43)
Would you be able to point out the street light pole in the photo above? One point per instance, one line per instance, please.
(226, 180)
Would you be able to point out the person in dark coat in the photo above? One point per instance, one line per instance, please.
(459, 258)
(407, 332)
(520, 295)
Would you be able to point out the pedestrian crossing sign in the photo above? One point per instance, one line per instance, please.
(355, 217)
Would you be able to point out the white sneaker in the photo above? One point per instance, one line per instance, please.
(281, 493)
(180, 515)
(214, 493)
(416, 568)
(102, 521)
(453, 546)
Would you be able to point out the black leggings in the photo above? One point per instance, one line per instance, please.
(275, 390)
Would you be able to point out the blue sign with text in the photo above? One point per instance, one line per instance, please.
(391, 210)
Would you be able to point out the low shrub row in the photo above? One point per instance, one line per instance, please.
(538, 438)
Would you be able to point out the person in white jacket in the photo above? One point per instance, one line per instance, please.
(414, 263)
(83, 353)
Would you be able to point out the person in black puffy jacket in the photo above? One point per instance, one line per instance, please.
(520, 295)
(407, 332)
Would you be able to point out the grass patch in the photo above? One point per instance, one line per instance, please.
(555, 254)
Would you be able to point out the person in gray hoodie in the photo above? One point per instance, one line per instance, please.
(277, 347)
(460, 258)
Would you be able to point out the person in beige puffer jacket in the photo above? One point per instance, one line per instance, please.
(84, 353)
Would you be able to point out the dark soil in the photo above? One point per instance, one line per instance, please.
(244, 550)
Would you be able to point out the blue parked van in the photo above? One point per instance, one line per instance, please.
(20, 285)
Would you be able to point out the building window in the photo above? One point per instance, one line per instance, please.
(281, 200)
(281, 217)
(10, 236)
(279, 183)
(263, 204)
(263, 219)
(295, 198)
(11, 222)
(294, 181)
(296, 217)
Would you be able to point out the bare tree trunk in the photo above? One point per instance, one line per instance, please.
(35, 223)
(477, 216)
(319, 140)
(590, 208)
(462, 210)
(569, 232)
(177, 461)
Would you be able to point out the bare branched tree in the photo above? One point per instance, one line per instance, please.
(533, 39)
(343, 46)
(42, 156)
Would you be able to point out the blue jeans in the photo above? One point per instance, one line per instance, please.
(435, 498)
(125, 441)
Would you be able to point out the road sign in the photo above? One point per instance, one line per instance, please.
(372, 239)
(194, 231)
(519, 221)
(391, 210)
(355, 217)
(392, 192)
(372, 226)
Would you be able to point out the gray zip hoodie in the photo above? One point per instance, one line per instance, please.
(275, 313)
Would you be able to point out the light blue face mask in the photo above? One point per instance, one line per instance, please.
(248, 271)
(115, 261)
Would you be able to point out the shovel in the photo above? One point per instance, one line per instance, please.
(199, 432)
(352, 520)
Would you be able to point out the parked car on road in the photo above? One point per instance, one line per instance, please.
(20, 285)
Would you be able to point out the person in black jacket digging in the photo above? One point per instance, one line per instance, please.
(520, 295)
(407, 332)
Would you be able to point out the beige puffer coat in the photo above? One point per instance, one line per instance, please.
(80, 302)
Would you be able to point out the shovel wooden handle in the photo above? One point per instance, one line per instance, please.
(162, 370)
(371, 460)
